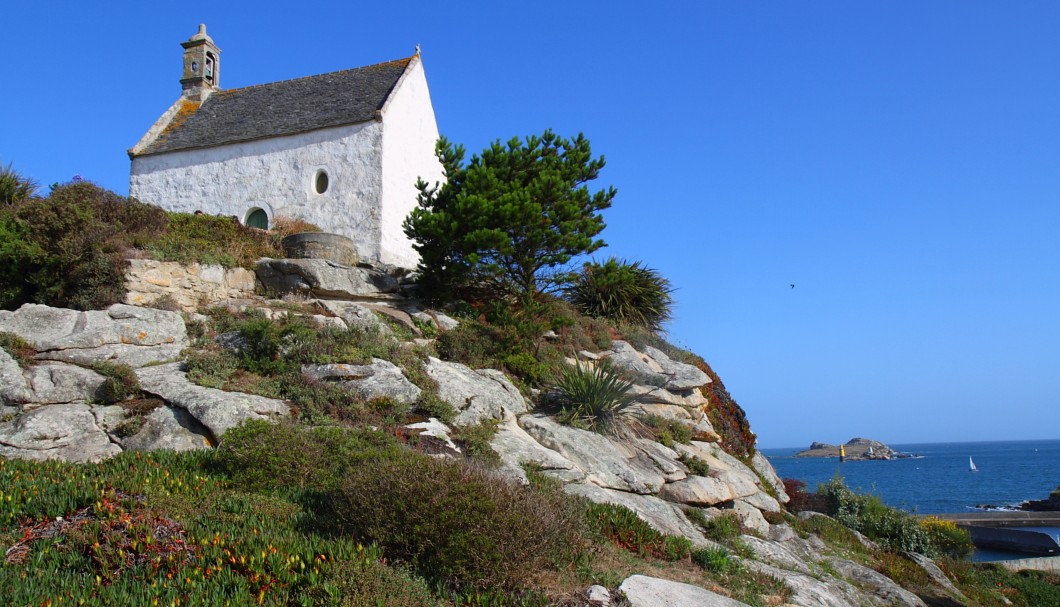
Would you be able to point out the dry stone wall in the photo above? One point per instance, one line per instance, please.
(147, 281)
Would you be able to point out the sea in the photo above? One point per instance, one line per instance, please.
(938, 479)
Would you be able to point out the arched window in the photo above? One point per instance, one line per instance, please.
(258, 218)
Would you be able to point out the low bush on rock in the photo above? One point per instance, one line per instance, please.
(947, 538)
(67, 249)
(627, 530)
(212, 239)
(120, 383)
(668, 432)
(892, 528)
(474, 441)
(18, 348)
(455, 522)
(264, 455)
(623, 292)
(594, 397)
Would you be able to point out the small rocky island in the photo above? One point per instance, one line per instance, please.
(857, 449)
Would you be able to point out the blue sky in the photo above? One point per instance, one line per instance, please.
(898, 161)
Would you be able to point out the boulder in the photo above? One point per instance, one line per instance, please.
(436, 429)
(439, 320)
(168, 428)
(769, 474)
(777, 554)
(517, 448)
(810, 591)
(689, 399)
(666, 460)
(750, 517)
(879, 585)
(763, 501)
(325, 278)
(741, 480)
(121, 333)
(661, 515)
(216, 409)
(644, 591)
(48, 328)
(355, 315)
(698, 491)
(68, 432)
(13, 387)
(681, 376)
(62, 383)
(944, 586)
(380, 379)
(625, 357)
(476, 395)
(598, 596)
(606, 463)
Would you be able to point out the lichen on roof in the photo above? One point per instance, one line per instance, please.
(282, 108)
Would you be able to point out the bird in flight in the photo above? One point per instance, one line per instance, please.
(792, 285)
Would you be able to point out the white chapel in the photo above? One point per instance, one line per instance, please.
(341, 150)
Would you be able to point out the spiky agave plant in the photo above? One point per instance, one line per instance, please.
(14, 187)
(594, 396)
(624, 292)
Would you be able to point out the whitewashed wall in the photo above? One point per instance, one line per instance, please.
(409, 135)
(276, 175)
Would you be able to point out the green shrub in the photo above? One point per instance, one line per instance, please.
(623, 292)
(210, 368)
(18, 348)
(432, 405)
(668, 431)
(264, 455)
(595, 397)
(947, 537)
(715, 560)
(455, 523)
(723, 528)
(474, 441)
(695, 465)
(14, 186)
(892, 528)
(67, 250)
(120, 383)
(369, 583)
(627, 530)
(212, 239)
(474, 343)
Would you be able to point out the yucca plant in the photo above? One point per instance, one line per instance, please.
(594, 396)
(14, 187)
(623, 292)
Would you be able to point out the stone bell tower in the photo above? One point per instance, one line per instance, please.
(202, 66)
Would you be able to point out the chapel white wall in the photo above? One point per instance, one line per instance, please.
(409, 136)
(277, 175)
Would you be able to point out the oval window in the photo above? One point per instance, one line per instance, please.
(258, 219)
(320, 184)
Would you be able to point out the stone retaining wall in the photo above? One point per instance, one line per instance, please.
(147, 280)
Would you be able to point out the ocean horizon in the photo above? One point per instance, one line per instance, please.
(939, 479)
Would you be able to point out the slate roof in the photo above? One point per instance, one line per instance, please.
(281, 108)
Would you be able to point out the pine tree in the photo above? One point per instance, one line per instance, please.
(506, 222)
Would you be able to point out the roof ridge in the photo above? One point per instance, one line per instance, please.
(363, 67)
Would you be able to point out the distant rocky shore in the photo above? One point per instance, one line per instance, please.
(856, 449)
(1049, 504)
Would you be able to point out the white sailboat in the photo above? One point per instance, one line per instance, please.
(971, 465)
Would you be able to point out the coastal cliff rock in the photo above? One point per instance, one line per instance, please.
(49, 413)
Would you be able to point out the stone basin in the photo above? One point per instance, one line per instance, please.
(320, 245)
